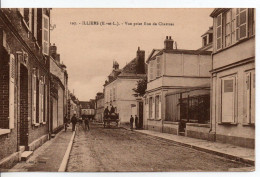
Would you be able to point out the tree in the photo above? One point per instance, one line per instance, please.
(141, 87)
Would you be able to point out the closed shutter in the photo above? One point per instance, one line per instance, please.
(158, 69)
(228, 99)
(45, 34)
(253, 97)
(153, 108)
(160, 109)
(219, 31)
(34, 99)
(248, 96)
(11, 90)
(151, 71)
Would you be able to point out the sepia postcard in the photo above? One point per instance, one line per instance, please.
(127, 89)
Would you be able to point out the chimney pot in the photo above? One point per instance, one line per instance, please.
(166, 37)
(170, 37)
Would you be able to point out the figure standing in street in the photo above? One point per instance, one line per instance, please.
(74, 121)
(106, 112)
(136, 122)
(86, 121)
(112, 110)
(131, 122)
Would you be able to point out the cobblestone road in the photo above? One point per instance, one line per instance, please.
(117, 149)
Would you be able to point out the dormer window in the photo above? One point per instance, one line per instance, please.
(204, 40)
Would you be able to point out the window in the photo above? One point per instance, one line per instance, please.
(228, 97)
(26, 13)
(250, 97)
(204, 41)
(158, 66)
(210, 37)
(157, 107)
(219, 31)
(151, 70)
(114, 93)
(228, 29)
(151, 107)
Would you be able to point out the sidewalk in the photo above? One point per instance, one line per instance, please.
(245, 155)
(49, 156)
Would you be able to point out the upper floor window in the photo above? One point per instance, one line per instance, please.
(158, 66)
(233, 25)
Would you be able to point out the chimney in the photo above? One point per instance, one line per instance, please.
(57, 58)
(140, 65)
(168, 43)
(53, 51)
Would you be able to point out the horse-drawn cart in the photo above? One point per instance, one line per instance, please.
(111, 118)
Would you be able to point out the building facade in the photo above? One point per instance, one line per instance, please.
(173, 75)
(118, 89)
(233, 76)
(99, 107)
(24, 83)
(59, 87)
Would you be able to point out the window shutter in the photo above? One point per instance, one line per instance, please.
(158, 59)
(11, 91)
(30, 19)
(228, 99)
(45, 34)
(153, 108)
(253, 97)
(160, 109)
(219, 32)
(34, 99)
(242, 21)
(35, 23)
(248, 96)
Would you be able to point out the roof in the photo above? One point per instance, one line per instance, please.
(217, 11)
(157, 52)
(210, 30)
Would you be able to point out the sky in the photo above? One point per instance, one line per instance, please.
(88, 51)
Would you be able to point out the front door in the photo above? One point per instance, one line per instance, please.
(140, 114)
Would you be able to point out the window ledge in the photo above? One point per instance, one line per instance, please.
(4, 131)
(171, 122)
(249, 124)
(227, 123)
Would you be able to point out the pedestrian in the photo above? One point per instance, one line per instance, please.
(74, 121)
(106, 112)
(131, 122)
(86, 121)
(136, 122)
(65, 122)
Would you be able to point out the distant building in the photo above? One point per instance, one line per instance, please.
(99, 107)
(118, 89)
(59, 87)
(73, 106)
(174, 77)
(88, 108)
(233, 74)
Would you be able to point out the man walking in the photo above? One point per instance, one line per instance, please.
(86, 121)
(74, 121)
(131, 122)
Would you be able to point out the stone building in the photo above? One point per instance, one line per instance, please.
(88, 108)
(233, 74)
(24, 83)
(58, 91)
(99, 107)
(118, 89)
(171, 72)
(73, 106)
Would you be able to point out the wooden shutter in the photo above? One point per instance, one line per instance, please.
(35, 23)
(248, 96)
(151, 70)
(153, 107)
(45, 34)
(34, 98)
(228, 99)
(11, 90)
(219, 32)
(241, 21)
(160, 109)
(21, 10)
(253, 97)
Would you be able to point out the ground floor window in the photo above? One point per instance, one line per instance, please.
(228, 97)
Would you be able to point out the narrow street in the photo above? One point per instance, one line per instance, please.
(117, 149)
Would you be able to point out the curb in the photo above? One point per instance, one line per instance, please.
(65, 159)
(221, 154)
